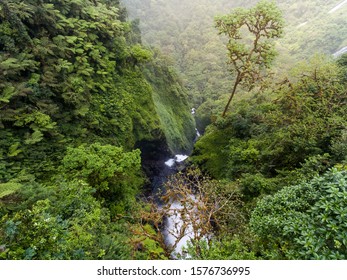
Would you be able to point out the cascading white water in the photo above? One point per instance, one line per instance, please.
(174, 223)
(177, 159)
(172, 230)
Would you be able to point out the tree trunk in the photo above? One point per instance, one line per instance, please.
(237, 81)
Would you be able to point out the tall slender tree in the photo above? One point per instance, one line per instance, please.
(250, 45)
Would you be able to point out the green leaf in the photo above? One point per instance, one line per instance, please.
(8, 188)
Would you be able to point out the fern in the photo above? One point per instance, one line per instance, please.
(35, 137)
(7, 93)
(14, 150)
(8, 188)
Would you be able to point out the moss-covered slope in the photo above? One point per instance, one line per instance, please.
(170, 99)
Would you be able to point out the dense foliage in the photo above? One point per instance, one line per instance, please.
(185, 30)
(78, 94)
(287, 135)
(273, 136)
(85, 109)
(306, 221)
(61, 221)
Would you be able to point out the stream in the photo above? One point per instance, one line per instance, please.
(162, 169)
(173, 223)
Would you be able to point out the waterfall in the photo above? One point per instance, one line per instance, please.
(173, 222)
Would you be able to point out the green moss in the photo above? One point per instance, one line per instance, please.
(146, 124)
(171, 105)
(211, 154)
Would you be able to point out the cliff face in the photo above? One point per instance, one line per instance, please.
(171, 104)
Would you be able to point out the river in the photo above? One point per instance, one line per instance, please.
(161, 168)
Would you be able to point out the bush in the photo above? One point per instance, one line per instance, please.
(306, 221)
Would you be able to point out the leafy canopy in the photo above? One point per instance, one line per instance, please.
(306, 221)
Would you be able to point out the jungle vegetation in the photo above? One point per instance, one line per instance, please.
(86, 90)
(79, 94)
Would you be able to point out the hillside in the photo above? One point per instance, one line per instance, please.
(281, 146)
(80, 98)
(184, 30)
(100, 158)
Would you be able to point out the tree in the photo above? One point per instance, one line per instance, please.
(305, 221)
(61, 221)
(114, 173)
(193, 207)
(250, 48)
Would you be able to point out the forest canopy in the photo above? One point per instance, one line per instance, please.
(79, 96)
(89, 115)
